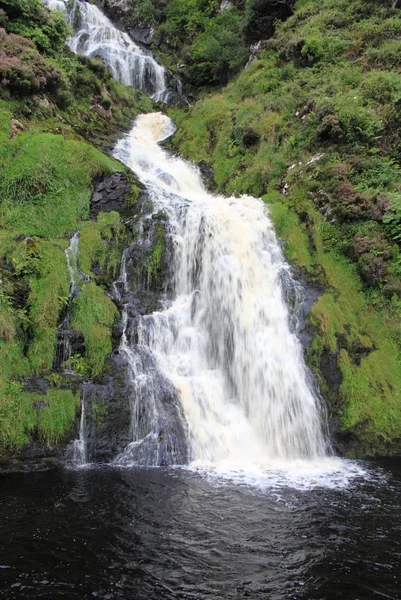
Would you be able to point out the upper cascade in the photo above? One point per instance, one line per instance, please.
(96, 36)
(223, 338)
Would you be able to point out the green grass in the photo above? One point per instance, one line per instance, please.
(45, 183)
(49, 291)
(57, 418)
(93, 314)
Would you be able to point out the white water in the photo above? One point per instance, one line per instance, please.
(224, 340)
(64, 330)
(96, 36)
(80, 456)
(72, 257)
(56, 4)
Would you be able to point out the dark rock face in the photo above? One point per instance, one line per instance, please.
(107, 414)
(207, 173)
(112, 193)
(159, 437)
(143, 35)
(330, 370)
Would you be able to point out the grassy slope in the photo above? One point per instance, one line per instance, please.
(50, 101)
(327, 84)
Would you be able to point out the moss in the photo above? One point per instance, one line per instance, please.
(99, 410)
(154, 265)
(94, 314)
(57, 417)
(98, 245)
(17, 416)
(45, 184)
(49, 290)
(23, 415)
(46, 175)
(288, 227)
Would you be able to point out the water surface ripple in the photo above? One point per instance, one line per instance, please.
(154, 534)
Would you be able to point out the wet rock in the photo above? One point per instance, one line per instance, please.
(143, 35)
(207, 173)
(112, 193)
(108, 415)
(330, 370)
(36, 385)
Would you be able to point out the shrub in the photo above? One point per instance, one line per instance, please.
(218, 52)
(22, 68)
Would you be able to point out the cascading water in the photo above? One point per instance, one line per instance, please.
(64, 332)
(56, 4)
(216, 376)
(96, 36)
(223, 340)
(79, 446)
(64, 340)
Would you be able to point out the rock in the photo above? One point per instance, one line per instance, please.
(143, 35)
(207, 173)
(330, 370)
(16, 126)
(111, 193)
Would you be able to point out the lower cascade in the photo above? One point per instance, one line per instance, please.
(222, 344)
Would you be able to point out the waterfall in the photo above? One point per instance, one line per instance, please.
(64, 332)
(55, 4)
(223, 339)
(95, 36)
(79, 446)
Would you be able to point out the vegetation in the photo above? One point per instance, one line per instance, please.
(312, 125)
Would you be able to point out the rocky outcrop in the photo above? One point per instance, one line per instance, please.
(114, 192)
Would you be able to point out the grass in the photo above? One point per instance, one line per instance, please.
(57, 418)
(51, 151)
(45, 183)
(94, 314)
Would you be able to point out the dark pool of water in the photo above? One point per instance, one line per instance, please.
(154, 534)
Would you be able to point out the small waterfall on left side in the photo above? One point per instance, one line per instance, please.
(79, 446)
(64, 341)
(64, 331)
